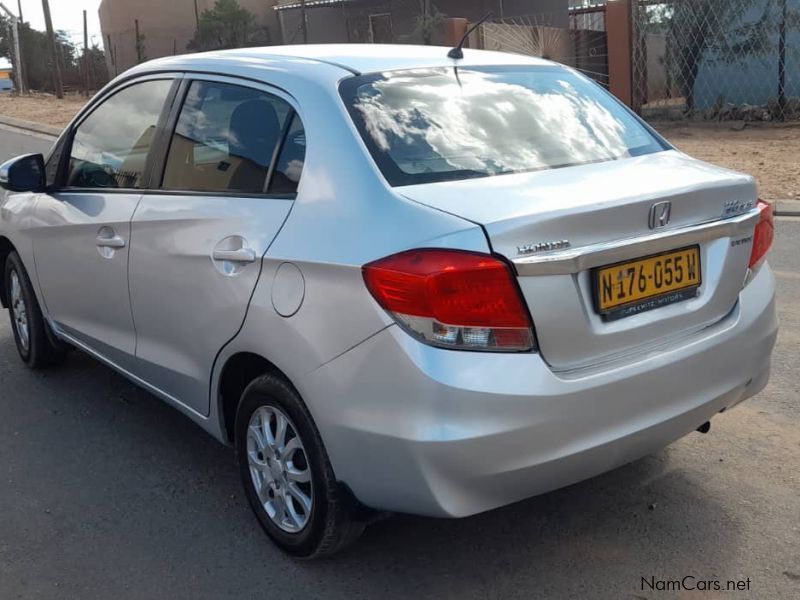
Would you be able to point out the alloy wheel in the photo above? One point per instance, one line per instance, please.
(279, 469)
(19, 312)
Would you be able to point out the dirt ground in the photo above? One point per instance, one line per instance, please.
(771, 152)
(44, 109)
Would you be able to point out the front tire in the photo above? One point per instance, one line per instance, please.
(286, 474)
(36, 344)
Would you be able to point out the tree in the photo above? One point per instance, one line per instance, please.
(228, 25)
(427, 25)
(36, 61)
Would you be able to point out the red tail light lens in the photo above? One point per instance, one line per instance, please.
(764, 235)
(453, 298)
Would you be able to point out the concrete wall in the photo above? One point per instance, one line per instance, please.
(168, 26)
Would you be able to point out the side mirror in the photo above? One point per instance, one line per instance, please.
(23, 174)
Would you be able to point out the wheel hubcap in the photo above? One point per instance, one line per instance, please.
(19, 313)
(279, 469)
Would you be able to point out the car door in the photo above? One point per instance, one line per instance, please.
(230, 175)
(82, 235)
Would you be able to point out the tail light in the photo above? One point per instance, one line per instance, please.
(453, 299)
(764, 234)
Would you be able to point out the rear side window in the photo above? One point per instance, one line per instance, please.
(110, 147)
(290, 161)
(226, 138)
(445, 124)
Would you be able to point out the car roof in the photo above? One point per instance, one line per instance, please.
(356, 58)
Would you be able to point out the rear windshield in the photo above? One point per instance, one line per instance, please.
(445, 124)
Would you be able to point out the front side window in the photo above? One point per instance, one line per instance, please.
(225, 139)
(445, 124)
(110, 147)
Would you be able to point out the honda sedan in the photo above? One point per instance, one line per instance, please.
(393, 279)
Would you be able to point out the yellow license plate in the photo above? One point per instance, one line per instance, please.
(635, 286)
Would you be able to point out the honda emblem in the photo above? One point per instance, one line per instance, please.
(660, 214)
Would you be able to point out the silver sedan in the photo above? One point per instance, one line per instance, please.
(392, 279)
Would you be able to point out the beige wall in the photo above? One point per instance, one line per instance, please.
(168, 25)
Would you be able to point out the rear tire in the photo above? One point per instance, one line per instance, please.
(36, 344)
(288, 479)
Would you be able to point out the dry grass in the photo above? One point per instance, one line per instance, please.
(41, 108)
(769, 152)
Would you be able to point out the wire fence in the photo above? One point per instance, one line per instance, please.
(717, 59)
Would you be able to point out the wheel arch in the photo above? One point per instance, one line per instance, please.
(239, 370)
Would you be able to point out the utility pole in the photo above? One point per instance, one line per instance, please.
(426, 23)
(196, 16)
(15, 23)
(19, 7)
(138, 42)
(782, 61)
(304, 21)
(51, 37)
(85, 55)
(110, 53)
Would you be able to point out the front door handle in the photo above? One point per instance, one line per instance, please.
(114, 241)
(243, 255)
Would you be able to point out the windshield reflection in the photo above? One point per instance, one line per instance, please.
(486, 123)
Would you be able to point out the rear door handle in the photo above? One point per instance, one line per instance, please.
(110, 242)
(243, 255)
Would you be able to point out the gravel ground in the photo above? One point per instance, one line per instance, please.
(770, 152)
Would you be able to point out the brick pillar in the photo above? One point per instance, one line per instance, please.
(454, 30)
(620, 49)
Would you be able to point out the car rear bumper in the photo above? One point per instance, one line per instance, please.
(415, 429)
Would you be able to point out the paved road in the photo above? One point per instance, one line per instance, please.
(107, 493)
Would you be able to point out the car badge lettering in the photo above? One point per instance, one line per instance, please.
(544, 247)
(732, 208)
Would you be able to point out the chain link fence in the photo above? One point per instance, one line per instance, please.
(736, 60)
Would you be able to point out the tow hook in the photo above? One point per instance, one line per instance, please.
(705, 427)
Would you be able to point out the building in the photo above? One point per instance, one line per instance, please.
(165, 27)
(6, 84)
(397, 21)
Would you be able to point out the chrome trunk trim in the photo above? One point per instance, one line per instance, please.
(575, 260)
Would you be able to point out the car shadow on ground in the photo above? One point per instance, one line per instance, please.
(132, 482)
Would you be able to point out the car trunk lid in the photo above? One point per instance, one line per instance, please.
(560, 224)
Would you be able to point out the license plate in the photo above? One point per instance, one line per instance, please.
(632, 287)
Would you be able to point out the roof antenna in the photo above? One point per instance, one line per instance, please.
(457, 53)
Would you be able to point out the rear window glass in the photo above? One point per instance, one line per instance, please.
(444, 124)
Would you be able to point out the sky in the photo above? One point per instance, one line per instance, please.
(67, 15)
